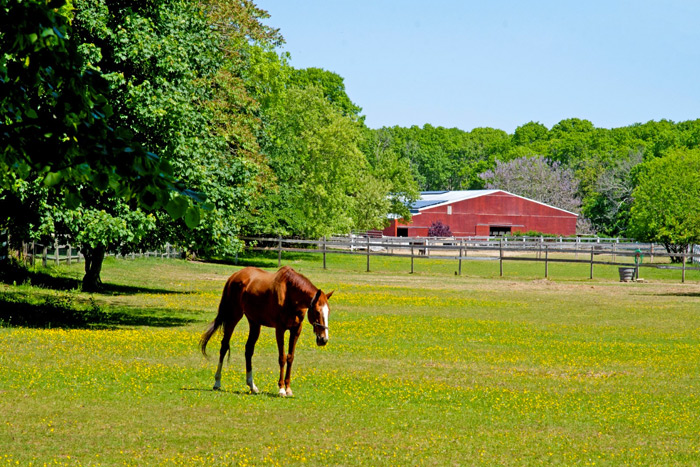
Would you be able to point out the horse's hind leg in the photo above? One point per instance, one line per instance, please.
(253, 335)
(225, 346)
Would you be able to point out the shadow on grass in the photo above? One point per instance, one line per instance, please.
(266, 259)
(12, 272)
(118, 289)
(238, 392)
(679, 294)
(63, 311)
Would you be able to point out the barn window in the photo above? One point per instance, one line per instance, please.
(402, 232)
(449, 210)
(498, 230)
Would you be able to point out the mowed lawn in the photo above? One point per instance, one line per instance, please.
(422, 369)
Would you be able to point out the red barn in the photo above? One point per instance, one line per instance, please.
(481, 213)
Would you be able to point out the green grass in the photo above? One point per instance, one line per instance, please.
(430, 368)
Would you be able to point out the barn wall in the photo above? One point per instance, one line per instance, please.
(473, 217)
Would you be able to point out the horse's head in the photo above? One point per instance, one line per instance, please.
(318, 316)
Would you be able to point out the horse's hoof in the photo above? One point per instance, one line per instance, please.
(289, 392)
(254, 390)
(282, 392)
(216, 388)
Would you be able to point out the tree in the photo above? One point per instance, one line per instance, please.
(119, 229)
(176, 71)
(56, 119)
(609, 206)
(536, 178)
(666, 208)
(331, 84)
(321, 172)
(394, 170)
(530, 133)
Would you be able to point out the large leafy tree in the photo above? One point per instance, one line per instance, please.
(173, 74)
(666, 208)
(321, 172)
(177, 73)
(55, 124)
(62, 144)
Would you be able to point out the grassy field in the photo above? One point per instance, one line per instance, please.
(423, 369)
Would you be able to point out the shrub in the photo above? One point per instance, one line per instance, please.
(438, 229)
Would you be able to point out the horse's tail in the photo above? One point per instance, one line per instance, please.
(215, 325)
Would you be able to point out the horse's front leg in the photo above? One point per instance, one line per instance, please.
(293, 337)
(279, 334)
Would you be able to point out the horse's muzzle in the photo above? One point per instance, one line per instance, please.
(321, 341)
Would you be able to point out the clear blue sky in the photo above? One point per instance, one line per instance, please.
(501, 64)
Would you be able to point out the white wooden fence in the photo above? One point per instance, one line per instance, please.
(591, 251)
(56, 253)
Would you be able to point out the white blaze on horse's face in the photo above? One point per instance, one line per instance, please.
(324, 311)
(320, 321)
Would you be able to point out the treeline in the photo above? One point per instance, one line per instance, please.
(130, 124)
(574, 165)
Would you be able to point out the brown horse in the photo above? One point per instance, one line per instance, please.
(278, 301)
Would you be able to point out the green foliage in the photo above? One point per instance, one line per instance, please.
(394, 169)
(331, 84)
(56, 119)
(315, 155)
(666, 208)
(176, 70)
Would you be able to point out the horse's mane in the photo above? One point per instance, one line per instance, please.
(296, 280)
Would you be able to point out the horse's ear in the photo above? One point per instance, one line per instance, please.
(328, 295)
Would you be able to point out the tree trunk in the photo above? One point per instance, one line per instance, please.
(676, 248)
(93, 266)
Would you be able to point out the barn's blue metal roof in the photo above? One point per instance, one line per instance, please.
(422, 203)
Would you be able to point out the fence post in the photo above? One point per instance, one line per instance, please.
(33, 260)
(500, 255)
(683, 276)
(613, 252)
(44, 254)
(591, 276)
(460, 257)
(56, 251)
(279, 252)
(546, 261)
(411, 257)
(367, 252)
(324, 252)
(69, 253)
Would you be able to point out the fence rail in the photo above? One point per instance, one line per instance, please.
(605, 252)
